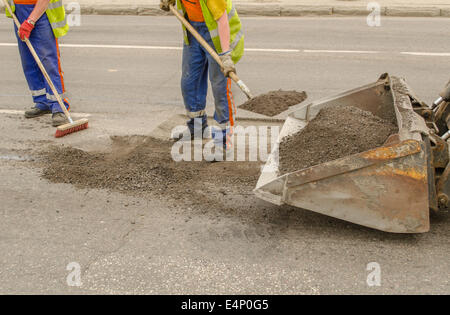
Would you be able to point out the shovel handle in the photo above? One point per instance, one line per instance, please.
(211, 51)
(40, 65)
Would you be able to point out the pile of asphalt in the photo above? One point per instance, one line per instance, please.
(334, 133)
(274, 102)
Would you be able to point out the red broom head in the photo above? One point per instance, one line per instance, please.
(66, 129)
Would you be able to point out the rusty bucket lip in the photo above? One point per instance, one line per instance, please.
(366, 159)
(389, 164)
(378, 155)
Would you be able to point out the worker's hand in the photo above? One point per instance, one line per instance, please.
(228, 64)
(165, 4)
(25, 29)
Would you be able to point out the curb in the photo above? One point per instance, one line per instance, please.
(275, 10)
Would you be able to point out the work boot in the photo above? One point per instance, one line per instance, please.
(220, 154)
(188, 135)
(223, 147)
(36, 112)
(59, 119)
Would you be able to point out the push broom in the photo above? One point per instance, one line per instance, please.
(72, 126)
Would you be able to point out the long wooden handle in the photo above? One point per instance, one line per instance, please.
(210, 50)
(40, 65)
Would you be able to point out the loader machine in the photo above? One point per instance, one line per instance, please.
(390, 188)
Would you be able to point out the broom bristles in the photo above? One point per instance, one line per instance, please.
(66, 129)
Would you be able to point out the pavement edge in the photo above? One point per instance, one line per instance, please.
(274, 10)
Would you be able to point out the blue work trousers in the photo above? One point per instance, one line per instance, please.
(198, 64)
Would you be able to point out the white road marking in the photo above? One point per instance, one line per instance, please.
(152, 47)
(341, 51)
(107, 46)
(425, 54)
(121, 46)
(307, 51)
(13, 112)
(272, 50)
(21, 112)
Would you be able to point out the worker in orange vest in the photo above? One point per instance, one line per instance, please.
(218, 23)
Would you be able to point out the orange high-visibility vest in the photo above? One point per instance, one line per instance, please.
(194, 10)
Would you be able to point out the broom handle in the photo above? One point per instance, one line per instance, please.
(41, 66)
(211, 51)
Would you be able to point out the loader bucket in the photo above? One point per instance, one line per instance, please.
(385, 188)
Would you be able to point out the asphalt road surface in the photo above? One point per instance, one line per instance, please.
(125, 72)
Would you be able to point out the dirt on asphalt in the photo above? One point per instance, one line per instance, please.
(334, 133)
(144, 166)
(274, 102)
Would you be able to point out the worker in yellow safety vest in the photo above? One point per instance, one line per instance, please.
(218, 23)
(42, 22)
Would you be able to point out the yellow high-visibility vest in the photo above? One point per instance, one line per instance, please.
(236, 32)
